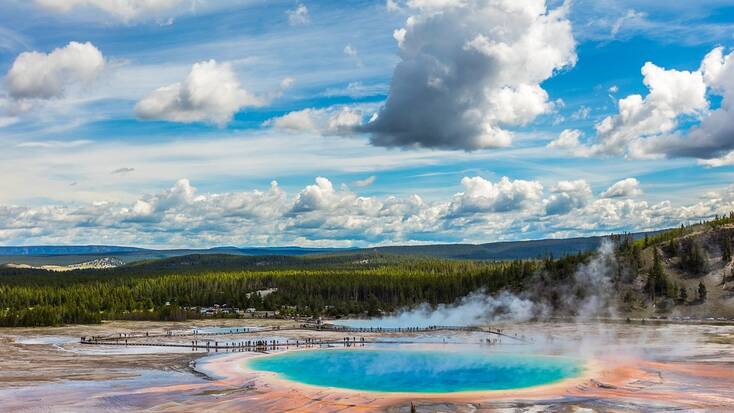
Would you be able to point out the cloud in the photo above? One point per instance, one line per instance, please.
(7, 120)
(363, 183)
(568, 139)
(711, 140)
(322, 211)
(287, 82)
(631, 16)
(298, 16)
(682, 23)
(55, 144)
(625, 188)
(122, 171)
(328, 215)
(469, 71)
(650, 126)
(724, 160)
(672, 93)
(582, 113)
(392, 5)
(567, 196)
(505, 195)
(211, 92)
(330, 121)
(320, 196)
(124, 10)
(357, 90)
(350, 51)
(296, 121)
(38, 75)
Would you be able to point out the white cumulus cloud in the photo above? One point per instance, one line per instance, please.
(711, 140)
(38, 75)
(625, 188)
(650, 126)
(567, 196)
(567, 139)
(505, 195)
(328, 121)
(470, 70)
(673, 93)
(325, 214)
(211, 92)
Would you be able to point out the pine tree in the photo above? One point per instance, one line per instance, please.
(726, 249)
(657, 281)
(701, 291)
(683, 295)
(694, 258)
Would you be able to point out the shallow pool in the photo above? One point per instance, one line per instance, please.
(423, 371)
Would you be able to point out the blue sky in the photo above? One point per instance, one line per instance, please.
(166, 122)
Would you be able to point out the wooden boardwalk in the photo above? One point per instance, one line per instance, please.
(260, 346)
(206, 341)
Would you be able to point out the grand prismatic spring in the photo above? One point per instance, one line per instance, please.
(408, 371)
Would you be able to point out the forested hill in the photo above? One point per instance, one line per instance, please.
(510, 250)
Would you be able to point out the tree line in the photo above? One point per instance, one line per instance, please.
(43, 298)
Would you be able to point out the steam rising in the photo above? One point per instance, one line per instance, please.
(474, 309)
(591, 296)
(595, 278)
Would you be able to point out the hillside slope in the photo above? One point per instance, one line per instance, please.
(696, 280)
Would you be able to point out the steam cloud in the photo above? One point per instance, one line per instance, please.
(476, 308)
(594, 278)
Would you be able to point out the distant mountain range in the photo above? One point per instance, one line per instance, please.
(499, 250)
(111, 249)
(67, 255)
(67, 250)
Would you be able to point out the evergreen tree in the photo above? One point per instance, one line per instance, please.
(683, 295)
(657, 280)
(701, 291)
(694, 258)
(726, 249)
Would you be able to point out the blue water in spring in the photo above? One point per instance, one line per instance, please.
(422, 371)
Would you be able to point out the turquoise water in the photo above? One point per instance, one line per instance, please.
(402, 370)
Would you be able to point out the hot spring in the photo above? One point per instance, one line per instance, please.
(419, 371)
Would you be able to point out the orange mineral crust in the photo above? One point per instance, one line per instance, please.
(622, 382)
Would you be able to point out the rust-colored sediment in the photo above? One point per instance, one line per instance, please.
(626, 382)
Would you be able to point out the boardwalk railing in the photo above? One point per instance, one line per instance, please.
(261, 346)
(129, 338)
(348, 329)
